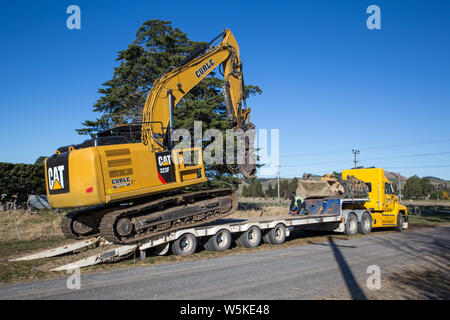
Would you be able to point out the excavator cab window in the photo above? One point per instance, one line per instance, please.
(132, 132)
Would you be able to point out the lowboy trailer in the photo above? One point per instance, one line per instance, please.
(340, 215)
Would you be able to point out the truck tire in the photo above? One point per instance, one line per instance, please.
(365, 225)
(276, 235)
(184, 245)
(219, 242)
(351, 225)
(400, 220)
(250, 238)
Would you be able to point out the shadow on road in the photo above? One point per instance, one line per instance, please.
(352, 285)
(429, 278)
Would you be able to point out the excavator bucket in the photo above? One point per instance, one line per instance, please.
(247, 165)
(330, 186)
(309, 189)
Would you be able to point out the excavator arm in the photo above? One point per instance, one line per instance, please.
(172, 86)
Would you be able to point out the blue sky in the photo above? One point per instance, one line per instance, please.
(329, 83)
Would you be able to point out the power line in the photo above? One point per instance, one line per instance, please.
(371, 159)
(364, 149)
(419, 167)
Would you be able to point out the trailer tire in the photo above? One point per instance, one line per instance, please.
(276, 235)
(365, 225)
(221, 241)
(184, 245)
(250, 238)
(351, 225)
(400, 220)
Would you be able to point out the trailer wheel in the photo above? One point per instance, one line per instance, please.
(400, 220)
(219, 242)
(276, 235)
(365, 225)
(250, 238)
(351, 226)
(184, 245)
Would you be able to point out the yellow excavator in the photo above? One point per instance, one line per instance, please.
(129, 191)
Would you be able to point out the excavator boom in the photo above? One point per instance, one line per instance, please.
(172, 86)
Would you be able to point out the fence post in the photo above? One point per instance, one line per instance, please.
(15, 223)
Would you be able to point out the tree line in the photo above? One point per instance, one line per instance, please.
(421, 188)
(255, 189)
(19, 180)
(414, 188)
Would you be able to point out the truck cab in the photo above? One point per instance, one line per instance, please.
(384, 204)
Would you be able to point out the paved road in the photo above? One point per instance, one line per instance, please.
(306, 272)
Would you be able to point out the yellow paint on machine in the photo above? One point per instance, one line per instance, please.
(384, 205)
(90, 168)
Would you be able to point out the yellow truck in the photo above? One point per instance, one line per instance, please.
(384, 205)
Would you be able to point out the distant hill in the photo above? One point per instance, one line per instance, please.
(436, 181)
(392, 176)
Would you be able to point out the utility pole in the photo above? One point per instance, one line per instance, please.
(355, 152)
(400, 186)
(278, 179)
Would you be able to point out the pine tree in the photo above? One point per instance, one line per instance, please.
(293, 186)
(284, 188)
(269, 191)
(259, 189)
(412, 188)
(157, 48)
(245, 191)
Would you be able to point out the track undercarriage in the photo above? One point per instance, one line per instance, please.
(132, 222)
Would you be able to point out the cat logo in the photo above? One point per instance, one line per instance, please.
(164, 160)
(164, 167)
(56, 177)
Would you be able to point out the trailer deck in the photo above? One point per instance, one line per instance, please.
(106, 252)
(98, 250)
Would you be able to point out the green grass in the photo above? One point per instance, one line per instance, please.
(428, 220)
(15, 247)
(23, 270)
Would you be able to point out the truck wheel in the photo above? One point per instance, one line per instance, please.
(276, 235)
(365, 225)
(219, 242)
(184, 245)
(400, 220)
(351, 225)
(250, 238)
